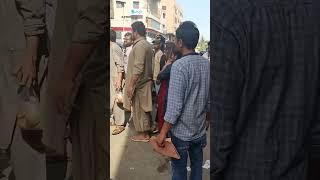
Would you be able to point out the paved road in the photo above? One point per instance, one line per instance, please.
(137, 161)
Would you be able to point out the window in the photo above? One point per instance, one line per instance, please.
(153, 23)
(164, 15)
(151, 35)
(119, 4)
(164, 7)
(175, 20)
(118, 34)
(135, 4)
(136, 17)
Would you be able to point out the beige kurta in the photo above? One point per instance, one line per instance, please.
(156, 68)
(80, 21)
(140, 63)
(116, 66)
(18, 18)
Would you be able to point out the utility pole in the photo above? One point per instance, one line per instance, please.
(123, 17)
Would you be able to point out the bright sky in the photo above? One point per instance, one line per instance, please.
(197, 11)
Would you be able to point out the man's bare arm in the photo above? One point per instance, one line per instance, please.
(165, 128)
(33, 14)
(76, 58)
(90, 27)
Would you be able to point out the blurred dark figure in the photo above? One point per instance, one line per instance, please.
(264, 88)
(77, 86)
(22, 30)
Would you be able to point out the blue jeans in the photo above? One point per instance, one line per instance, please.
(195, 150)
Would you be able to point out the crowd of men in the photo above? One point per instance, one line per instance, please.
(172, 75)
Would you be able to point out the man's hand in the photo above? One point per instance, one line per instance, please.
(118, 85)
(132, 86)
(63, 94)
(130, 91)
(77, 56)
(163, 134)
(25, 71)
(161, 139)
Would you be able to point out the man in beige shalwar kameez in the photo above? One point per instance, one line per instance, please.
(78, 49)
(139, 83)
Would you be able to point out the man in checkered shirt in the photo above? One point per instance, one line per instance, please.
(265, 91)
(187, 104)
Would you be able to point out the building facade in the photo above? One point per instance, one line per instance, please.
(126, 12)
(172, 15)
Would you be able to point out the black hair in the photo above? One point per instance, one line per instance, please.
(172, 50)
(113, 35)
(128, 34)
(189, 34)
(162, 46)
(162, 43)
(139, 27)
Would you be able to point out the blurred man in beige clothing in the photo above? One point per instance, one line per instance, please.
(116, 74)
(158, 45)
(127, 43)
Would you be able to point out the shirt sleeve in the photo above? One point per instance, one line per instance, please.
(164, 74)
(176, 95)
(226, 84)
(139, 59)
(92, 21)
(119, 60)
(33, 15)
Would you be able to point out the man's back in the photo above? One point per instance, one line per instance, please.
(265, 76)
(188, 96)
(140, 61)
(116, 60)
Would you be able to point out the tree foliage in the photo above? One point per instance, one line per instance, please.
(202, 45)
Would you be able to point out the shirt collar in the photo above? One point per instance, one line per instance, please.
(137, 40)
(189, 54)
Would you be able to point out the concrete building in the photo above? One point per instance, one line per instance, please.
(172, 15)
(111, 9)
(128, 11)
